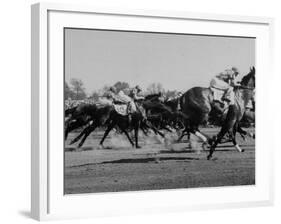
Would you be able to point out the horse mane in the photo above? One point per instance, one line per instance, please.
(246, 79)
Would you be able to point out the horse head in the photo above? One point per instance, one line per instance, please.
(249, 79)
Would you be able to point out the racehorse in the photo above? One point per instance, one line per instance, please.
(96, 116)
(162, 114)
(197, 104)
(244, 94)
(79, 116)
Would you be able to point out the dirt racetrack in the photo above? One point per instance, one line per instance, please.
(156, 165)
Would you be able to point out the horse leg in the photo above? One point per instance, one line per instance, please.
(229, 125)
(186, 131)
(71, 127)
(79, 136)
(241, 132)
(244, 133)
(157, 131)
(136, 135)
(233, 136)
(89, 130)
(128, 136)
(144, 131)
(109, 128)
(66, 131)
(216, 142)
(202, 137)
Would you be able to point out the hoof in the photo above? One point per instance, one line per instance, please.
(100, 147)
(243, 150)
(138, 147)
(72, 142)
(209, 157)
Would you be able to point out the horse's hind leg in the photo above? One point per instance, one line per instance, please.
(216, 142)
(80, 135)
(71, 127)
(244, 133)
(183, 133)
(130, 140)
(87, 133)
(155, 130)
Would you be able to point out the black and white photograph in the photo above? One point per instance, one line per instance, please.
(155, 111)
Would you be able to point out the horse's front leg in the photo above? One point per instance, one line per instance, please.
(87, 133)
(109, 128)
(216, 142)
(130, 140)
(203, 138)
(70, 126)
(233, 136)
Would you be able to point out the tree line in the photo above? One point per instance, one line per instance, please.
(75, 90)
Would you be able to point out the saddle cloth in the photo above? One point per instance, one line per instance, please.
(218, 94)
(121, 109)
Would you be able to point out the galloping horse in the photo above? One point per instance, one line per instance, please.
(244, 94)
(79, 116)
(197, 104)
(96, 116)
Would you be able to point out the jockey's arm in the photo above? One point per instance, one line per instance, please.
(235, 82)
(137, 98)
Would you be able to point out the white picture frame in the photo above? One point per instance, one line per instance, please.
(48, 201)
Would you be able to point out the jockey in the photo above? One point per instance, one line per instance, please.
(135, 93)
(222, 86)
(135, 97)
(129, 101)
(118, 97)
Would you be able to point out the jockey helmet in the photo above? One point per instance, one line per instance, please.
(138, 88)
(112, 89)
(235, 70)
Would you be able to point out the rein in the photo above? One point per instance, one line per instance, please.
(245, 87)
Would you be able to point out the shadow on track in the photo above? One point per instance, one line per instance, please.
(147, 160)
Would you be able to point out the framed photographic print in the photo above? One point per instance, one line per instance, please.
(148, 111)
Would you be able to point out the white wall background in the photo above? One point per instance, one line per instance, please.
(15, 110)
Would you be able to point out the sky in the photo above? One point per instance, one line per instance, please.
(178, 62)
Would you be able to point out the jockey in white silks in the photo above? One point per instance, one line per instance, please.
(123, 103)
(222, 86)
(135, 96)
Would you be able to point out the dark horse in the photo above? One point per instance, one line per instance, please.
(89, 115)
(93, 116)
(198, 102)
(78, 116)
(243, 95)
